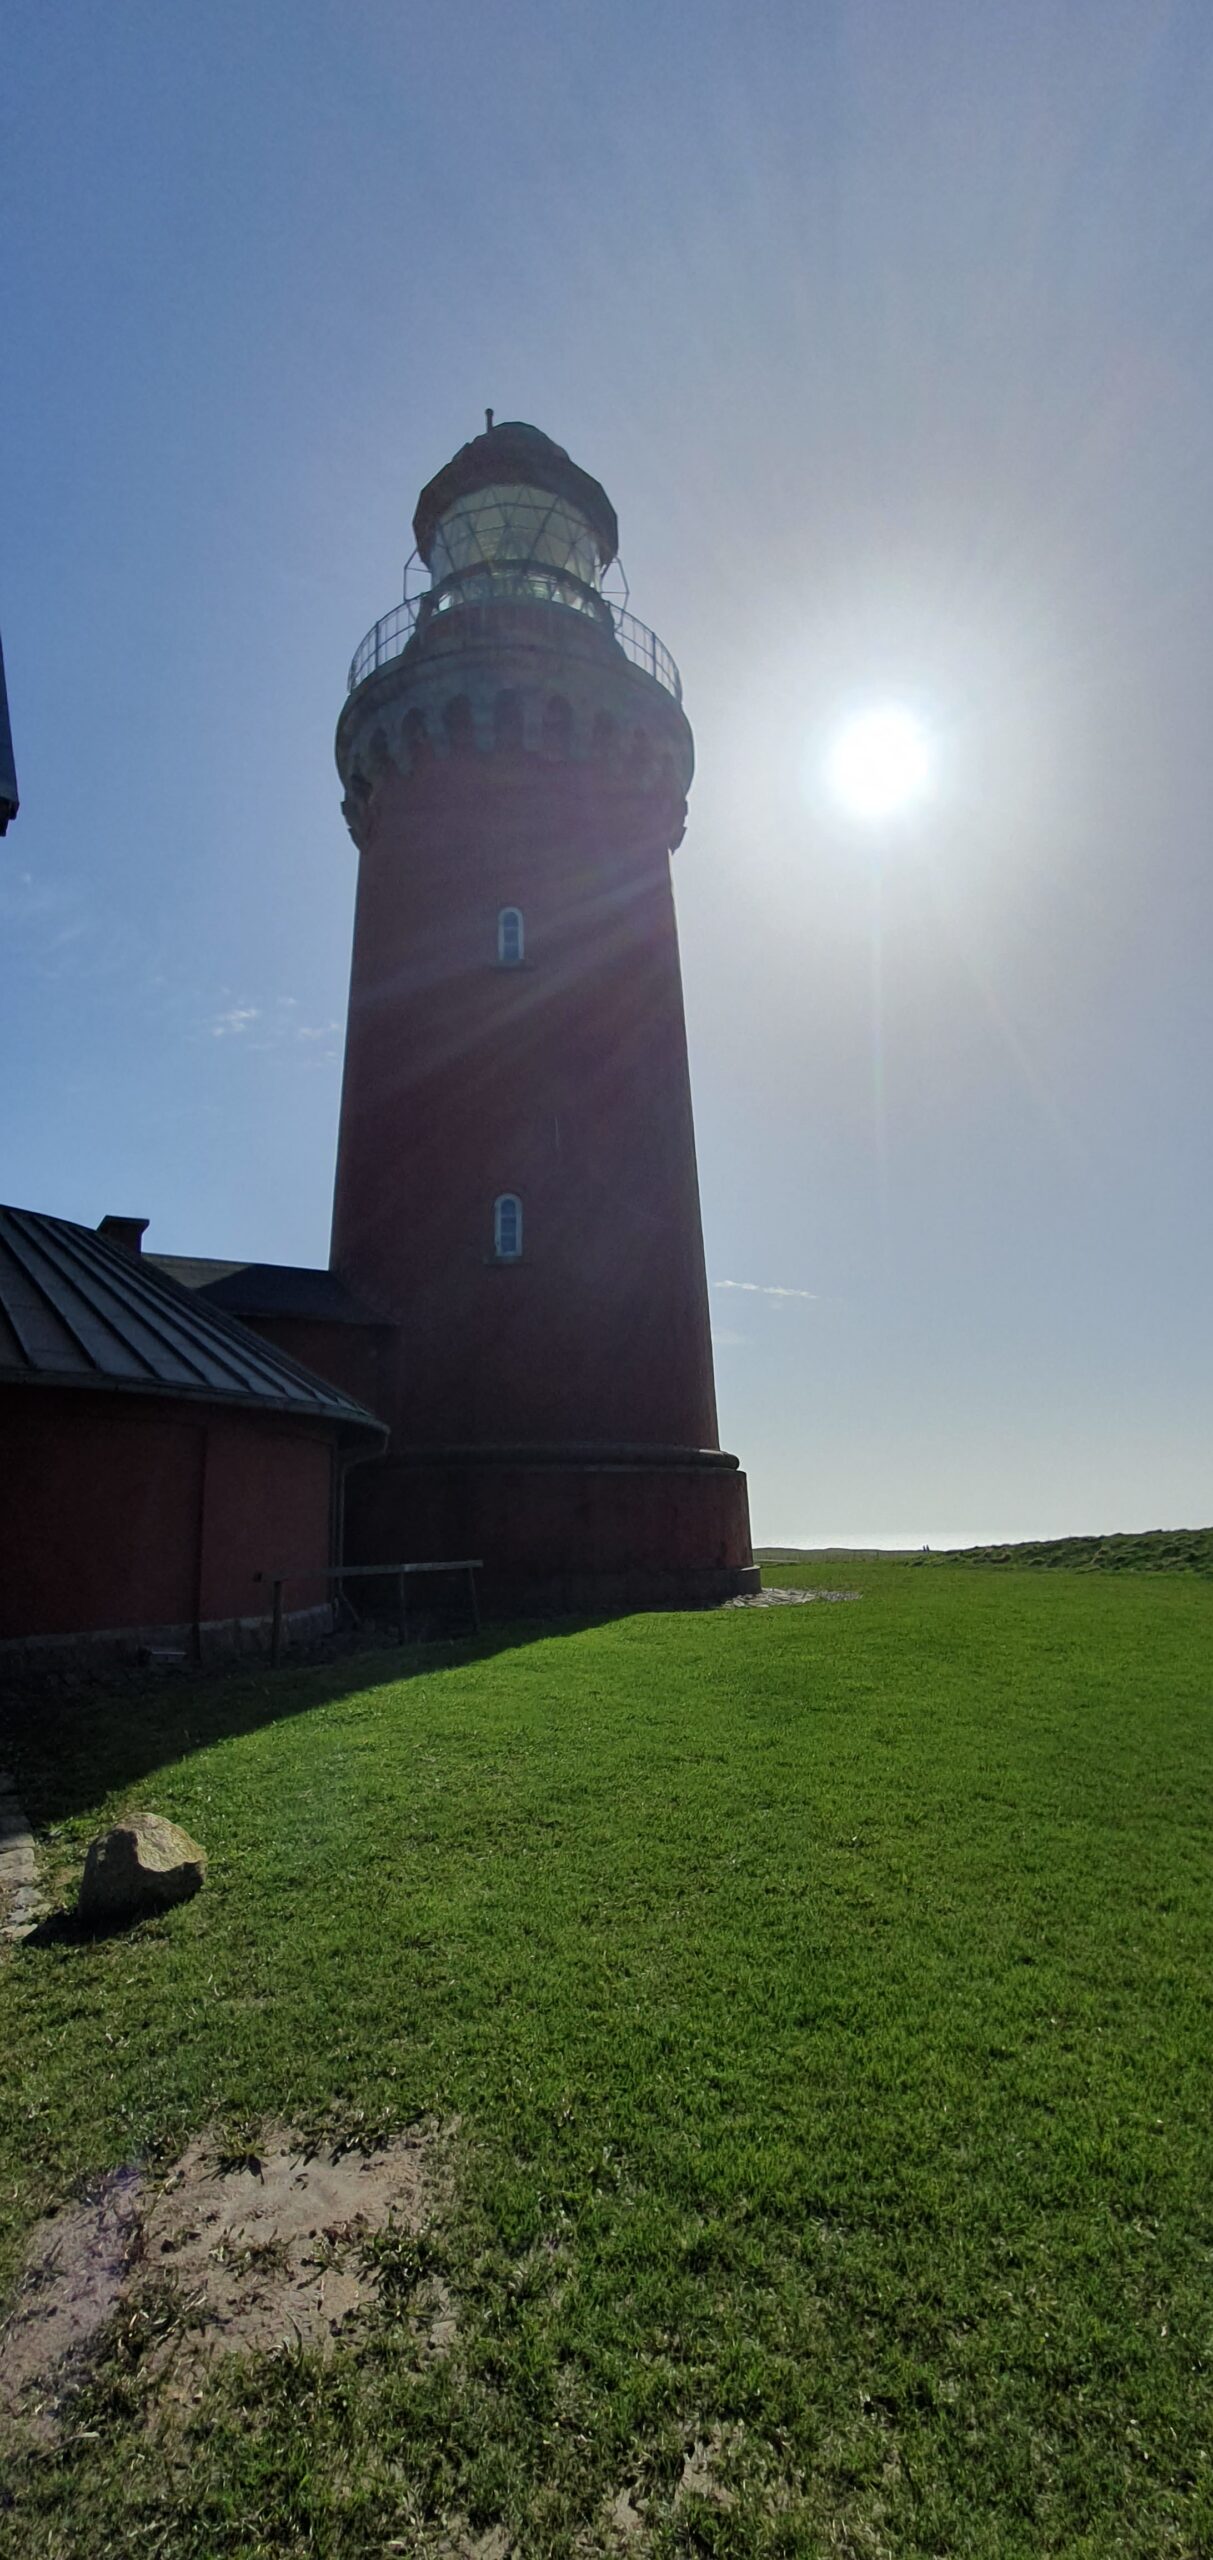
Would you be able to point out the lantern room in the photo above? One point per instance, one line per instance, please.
(512, 518)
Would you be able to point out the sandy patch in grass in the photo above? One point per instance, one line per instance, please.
(252, 2252)
(76, 2269)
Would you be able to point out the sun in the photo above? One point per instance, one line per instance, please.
(881, 763)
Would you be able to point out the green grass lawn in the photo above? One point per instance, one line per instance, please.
(824, 1998)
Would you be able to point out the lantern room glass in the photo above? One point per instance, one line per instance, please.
(504, 524)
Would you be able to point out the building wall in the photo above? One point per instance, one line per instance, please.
(122, 1512)
(564, 1081)
(350, 1356)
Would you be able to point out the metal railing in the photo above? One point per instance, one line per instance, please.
(390, 636)
(645, 650)
(343, 1573)
(384, 641)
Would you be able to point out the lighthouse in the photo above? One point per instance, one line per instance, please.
(516, 1193)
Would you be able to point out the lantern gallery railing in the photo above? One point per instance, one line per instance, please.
(384, 641)
(645, 650)
(392, 633)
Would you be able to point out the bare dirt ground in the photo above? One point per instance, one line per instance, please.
(253, 2252)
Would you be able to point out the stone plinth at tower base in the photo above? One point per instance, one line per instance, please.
(576, 1530)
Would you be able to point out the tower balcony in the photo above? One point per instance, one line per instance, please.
(391, 635)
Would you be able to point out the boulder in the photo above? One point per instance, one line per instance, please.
(143, 1864)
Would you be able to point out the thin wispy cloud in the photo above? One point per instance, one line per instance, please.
(21, 897)
(764, 1289)
(279, 1028)
(237, 1019)
(54, 929)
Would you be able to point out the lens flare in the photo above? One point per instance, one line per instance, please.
(881, 764)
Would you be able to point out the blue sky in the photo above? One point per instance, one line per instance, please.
(888, 329)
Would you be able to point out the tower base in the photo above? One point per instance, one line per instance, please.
(563, 1531)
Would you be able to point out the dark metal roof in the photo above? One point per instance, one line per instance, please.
(9, 803)
(78, 1311)
(267, 1289)
(514, 452)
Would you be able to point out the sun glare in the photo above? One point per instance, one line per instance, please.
(881, 763)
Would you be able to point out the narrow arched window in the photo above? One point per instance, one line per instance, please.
(510, 938)
(507, 1227)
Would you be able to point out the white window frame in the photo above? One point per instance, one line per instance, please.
(507, 1218)
(509, 918)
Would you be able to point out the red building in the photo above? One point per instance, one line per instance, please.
(517, 1285)
(516, 1181)
(517, 1280)
(160, 1463)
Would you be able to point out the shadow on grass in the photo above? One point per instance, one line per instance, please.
(74, 1742)
(65, 1928)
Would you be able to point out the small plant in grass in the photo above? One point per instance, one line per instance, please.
(401, 2261)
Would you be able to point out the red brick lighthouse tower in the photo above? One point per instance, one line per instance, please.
(516, 1185)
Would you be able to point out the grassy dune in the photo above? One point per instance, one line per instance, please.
(1136, 1551)
(824, 1998)
(1147, 1551)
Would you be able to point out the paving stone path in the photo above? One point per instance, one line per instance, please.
(21, 1903)
(775, 1598)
